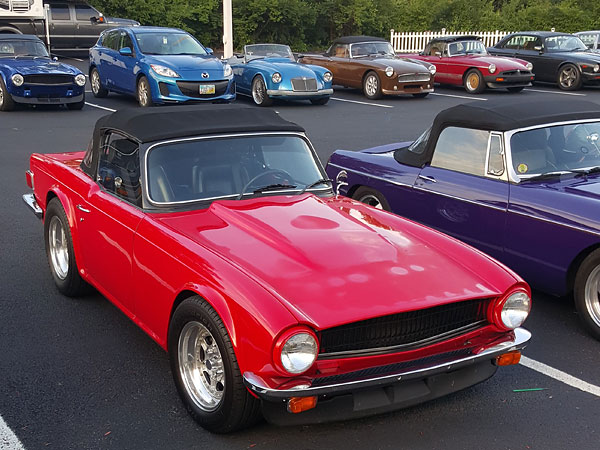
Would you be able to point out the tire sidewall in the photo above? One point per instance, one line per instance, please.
(7, 101)
(587, 266)
(266, 101)
(363, 191)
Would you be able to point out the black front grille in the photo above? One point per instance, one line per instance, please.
(49, 79)
(304, 84)
(515, 72)
(192, 88)
(411, 329)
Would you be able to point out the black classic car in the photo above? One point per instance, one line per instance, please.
(559, 58)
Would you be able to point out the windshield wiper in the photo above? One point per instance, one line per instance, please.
(269, 187)
(316, 183)
(545, 175)
(585, 172)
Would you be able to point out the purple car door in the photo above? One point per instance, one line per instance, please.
(464, 190)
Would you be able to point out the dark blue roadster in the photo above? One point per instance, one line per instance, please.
(520, 181)
(28, 75)
(158, 65)
(268, 71)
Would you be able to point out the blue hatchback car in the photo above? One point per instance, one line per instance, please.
(29, 76)
(158, 65)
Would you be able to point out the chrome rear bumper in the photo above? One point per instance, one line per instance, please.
(29, 199)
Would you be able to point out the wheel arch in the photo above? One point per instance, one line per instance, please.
(468, 69)
(563, 64)
(576, 263)
(8, 29)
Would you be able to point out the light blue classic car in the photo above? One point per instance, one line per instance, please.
(268, 71)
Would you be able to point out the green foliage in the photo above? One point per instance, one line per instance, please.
(311, 24)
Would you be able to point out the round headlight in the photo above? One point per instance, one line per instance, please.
(596, 68)
(529, 66)
(299, 353)
(515, 309)
(492, 68)
(80, 80)
(432, 70)
(17, 79)
(227, 70)
(389, 71)
(276, 77)
(327, 77)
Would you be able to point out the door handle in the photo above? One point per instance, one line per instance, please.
(426, 178)
(81, 208)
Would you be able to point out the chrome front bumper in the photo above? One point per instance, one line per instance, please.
(29, 199)
(256, 385)
(285, 93)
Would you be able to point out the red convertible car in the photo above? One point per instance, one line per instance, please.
(464, 61)
(216, 231)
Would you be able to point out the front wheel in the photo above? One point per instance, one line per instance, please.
(6, 101)
(587, 293)
(59, 250)
(372, 86)
(371, 197)
(473, 82)
(97, 89)
(144, 95)
(515, 89)
(319, 101)
(205, 369)
(569, 78)
(259, 92)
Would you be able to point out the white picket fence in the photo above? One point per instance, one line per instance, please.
(412, 42)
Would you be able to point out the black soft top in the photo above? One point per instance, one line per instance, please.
(500, 115)
(456, 38)
(19, 37)
(355, 39)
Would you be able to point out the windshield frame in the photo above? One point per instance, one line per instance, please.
(37, 44)
(352, 56)
(205, 202)
(253, 57)
(512, 174)
(170, 33)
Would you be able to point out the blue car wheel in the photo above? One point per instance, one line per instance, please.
(6, 101)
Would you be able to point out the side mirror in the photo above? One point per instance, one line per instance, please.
(97, 19)
(299, 56)
(55, 58)
(126, 51)
(209, 50)
(538, 48)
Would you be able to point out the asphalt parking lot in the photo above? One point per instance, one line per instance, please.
(76, 373)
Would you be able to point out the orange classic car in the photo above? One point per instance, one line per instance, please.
(370, 64)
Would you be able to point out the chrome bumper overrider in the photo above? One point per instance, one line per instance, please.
(277, 92)
(256, 385)
(29, 199)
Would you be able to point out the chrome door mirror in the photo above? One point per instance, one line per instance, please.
(340, 180)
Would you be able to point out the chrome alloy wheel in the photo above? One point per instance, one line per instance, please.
(59, 248)
(371, 85)
(259, 92)
(201, 366)
(472, 82)
(371, 200)
(143, 93)
(95, 82)
(568, 77)
(1, 96)
(592, 295)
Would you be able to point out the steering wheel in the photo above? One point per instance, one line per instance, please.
(274, 172)
(588, 144)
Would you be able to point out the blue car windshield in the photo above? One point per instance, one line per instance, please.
(224, 168)
(256, 51)
(21, 47)
(560, 148)
(169, 44)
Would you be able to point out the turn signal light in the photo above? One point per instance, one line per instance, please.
(299, 404)
(508, 359)
(499, 79)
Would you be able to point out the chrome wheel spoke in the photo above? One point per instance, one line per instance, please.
(592, 295)
(58, 248)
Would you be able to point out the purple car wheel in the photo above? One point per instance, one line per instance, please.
(587, 293)
(371, 197)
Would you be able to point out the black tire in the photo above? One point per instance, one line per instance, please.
(587, 297)
(237, 408)
(143, 92)
(77, 106)
(319, 101)
(371, 197)
(6, 101)
(259, 92)
(569, 78)
(515, 89)
(421, 95)
(68, 282)
(97, 89)
(474, 82)
(371, 86)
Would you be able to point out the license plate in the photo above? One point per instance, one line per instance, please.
(206, 89)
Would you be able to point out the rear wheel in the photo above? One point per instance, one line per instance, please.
(569, 78)
(6, 101)
(205, 369)
(97, 89)
(144, 95)
(371, 197)
(515, 89)
(473, 82)
(372, 86)
(587, 293)
(259, 92)
(319, 101)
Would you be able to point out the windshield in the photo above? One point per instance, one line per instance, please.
(169, 43)
(558, 148)
(268, 51)
(564, 44)
(472, 47)
(363, 49)
(589, 39)
(419, 145)
(210, 169)
(21, 47)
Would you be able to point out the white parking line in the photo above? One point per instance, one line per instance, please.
(361, 103)
(8, 439)
(560, 376)
(100, 107)
(460, 96)
(556, 92)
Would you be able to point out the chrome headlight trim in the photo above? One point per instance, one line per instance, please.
(80, 80)
(276, 77)
(327, 77)
(299, 352)
(515, 310)
(389, 71)
(17, 79)
(492, 68)
(432, 69)
(529, 66)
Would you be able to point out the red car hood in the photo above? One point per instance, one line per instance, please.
(335, 261)
(502, 63)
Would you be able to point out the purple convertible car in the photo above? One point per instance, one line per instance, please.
(520, 181)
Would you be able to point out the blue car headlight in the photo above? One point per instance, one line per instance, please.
(276, 77)
(164, 71)
(17, 79)
(227, 70)
(80, 80)
(327, 77)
